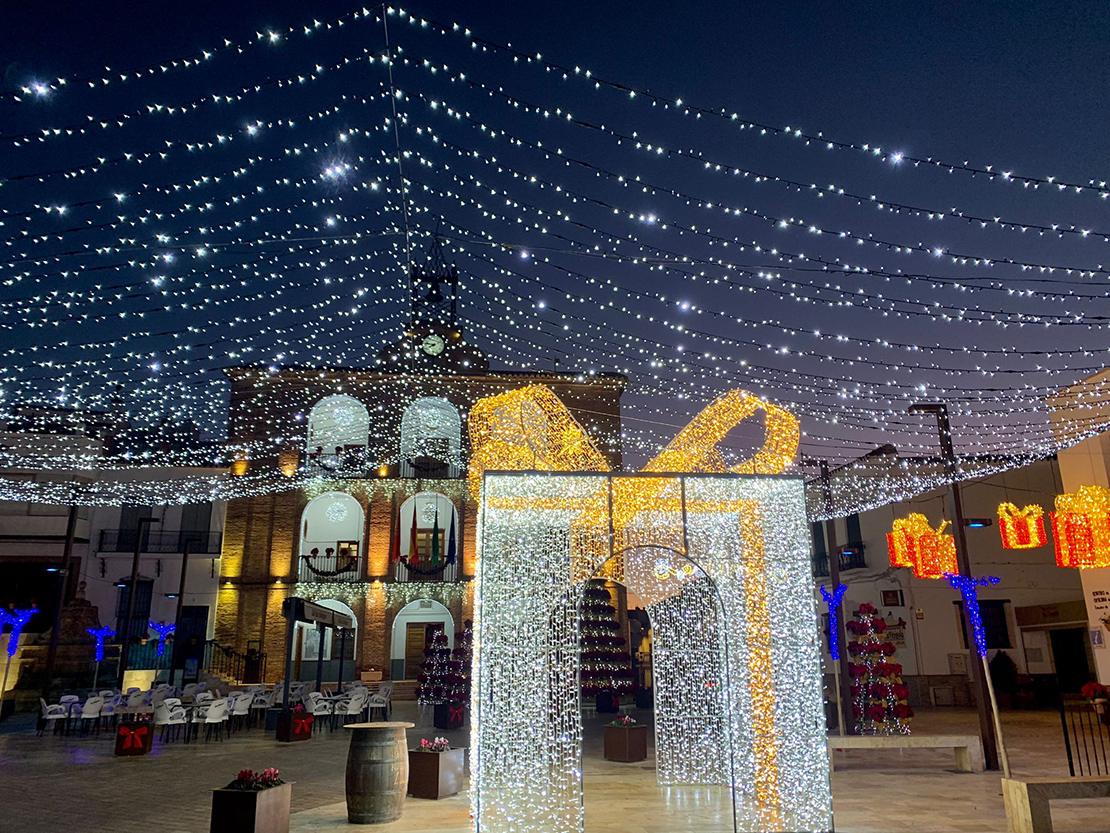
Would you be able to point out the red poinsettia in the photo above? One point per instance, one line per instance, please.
(876, 713)
(866, 609)
(902, 711)
(880, 690)
(901, 690)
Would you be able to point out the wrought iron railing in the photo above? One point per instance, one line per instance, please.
(1086, 737)
(851, 558)
(425, 571)
(329, 568)
(168, 541)
(228, 663)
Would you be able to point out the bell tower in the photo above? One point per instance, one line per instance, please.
(433, 340)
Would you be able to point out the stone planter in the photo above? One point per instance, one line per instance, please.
(436, 774)
(626, 744)
(251, 811)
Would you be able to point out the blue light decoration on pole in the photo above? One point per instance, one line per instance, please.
(969, 590)
(163, 629)
(100, 635)
(833, 601)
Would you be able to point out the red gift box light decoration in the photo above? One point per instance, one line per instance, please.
(1021, 529)
(914, 543)
(1081, 528)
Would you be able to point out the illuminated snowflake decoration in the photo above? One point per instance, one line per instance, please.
(428, 512)
(344, 416)
(336, 512)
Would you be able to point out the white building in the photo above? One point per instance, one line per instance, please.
(1035, 613)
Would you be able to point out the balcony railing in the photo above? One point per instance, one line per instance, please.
(851, 558)
(123, 540)
(425, 572)
(335, 568)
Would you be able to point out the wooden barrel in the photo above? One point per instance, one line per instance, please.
(377, 772)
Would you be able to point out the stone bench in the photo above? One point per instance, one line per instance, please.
(1027, 800)
(968, 748)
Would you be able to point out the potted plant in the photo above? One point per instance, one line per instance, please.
(435, 769)
(1099, 695)
(255, 802)
(625, 740)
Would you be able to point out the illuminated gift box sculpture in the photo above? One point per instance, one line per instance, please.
(1021, 529)
(721, 561)
(1081, 528)
(914, 543)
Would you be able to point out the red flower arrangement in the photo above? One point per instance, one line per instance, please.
(1095, 691)
(877, 689)
(248, 779)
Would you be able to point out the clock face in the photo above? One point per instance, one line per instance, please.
(432, 345)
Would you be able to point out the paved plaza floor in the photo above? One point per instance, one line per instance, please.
(58, 784)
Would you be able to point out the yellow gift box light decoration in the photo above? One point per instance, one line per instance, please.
(914, 543)
(1021, 529)
(609, 522)
(1081, 528)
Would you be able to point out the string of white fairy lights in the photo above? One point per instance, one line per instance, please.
(711, 368)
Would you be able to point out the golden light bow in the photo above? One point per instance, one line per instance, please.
(1081, 528)
(531, 429)
(1021, 529)
(914, 543)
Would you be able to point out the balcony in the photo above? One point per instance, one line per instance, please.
(334, 568)
(403, 574)
(851, 558)
(160, 541)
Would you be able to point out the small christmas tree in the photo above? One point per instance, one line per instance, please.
(432, 682)
(606, 667)
(879, 695)
(457, 682)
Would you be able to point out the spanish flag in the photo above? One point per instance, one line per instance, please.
(414, 552)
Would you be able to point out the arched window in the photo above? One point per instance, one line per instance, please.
(431, 439)
(331, 539)
(338, 428)
(438, 542)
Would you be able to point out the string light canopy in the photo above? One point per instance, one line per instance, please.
(1081, 528)
(1021, 529)
(914, 543)
(243, 205)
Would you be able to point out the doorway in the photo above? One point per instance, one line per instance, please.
(418, 635)
(1069, 656)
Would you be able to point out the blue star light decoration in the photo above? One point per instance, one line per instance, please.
(969, 589)
(101, 635)
(17, 620)
(833, 601)
(163, 629)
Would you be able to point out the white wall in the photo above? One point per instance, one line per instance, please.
(413, 612)
(1029, 577)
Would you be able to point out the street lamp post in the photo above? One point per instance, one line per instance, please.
(976, 676)
(126, 636)
(185, 552)
(843, 680)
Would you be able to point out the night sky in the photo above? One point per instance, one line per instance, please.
(639, 279)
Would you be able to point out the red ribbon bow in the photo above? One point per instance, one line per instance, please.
(455, 713)
(132, 737)
(301, 725)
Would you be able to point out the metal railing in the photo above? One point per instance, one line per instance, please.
(851, 558)
(167, 541)
(1086, 737)
(228, 663)
(329, 568)
(424, 571)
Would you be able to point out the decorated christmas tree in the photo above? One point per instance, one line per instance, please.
(432, 682)
(606, 667)
(878, 693)
(457, 682)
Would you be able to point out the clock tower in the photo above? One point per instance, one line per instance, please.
(433, 340)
